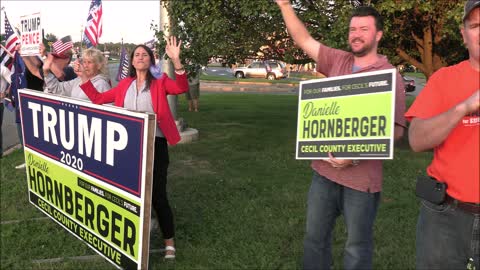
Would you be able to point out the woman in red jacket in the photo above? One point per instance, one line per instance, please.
(140, 91)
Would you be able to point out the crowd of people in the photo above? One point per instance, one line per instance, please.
(444, 117)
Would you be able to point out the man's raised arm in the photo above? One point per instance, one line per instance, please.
(298, 31)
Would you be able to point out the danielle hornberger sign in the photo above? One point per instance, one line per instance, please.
(89, 168)
(350, 116)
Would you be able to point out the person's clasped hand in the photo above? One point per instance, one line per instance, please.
(77, 67)
(338, 163)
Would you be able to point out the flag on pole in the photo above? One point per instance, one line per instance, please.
(93, 30)
(124, 64)
(19, 81)
(61, 46)
(11, 39)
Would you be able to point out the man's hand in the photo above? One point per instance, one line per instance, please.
(282, 3)
(424, 134)
(338, 163)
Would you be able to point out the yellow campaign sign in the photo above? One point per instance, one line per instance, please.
(344, 118)
(89, 168)
(88, 212)
(349, 116)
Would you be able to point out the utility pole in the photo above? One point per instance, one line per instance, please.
(167, 65)
(79, 52)
(187, 134)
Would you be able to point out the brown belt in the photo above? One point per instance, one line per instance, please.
(473, 208)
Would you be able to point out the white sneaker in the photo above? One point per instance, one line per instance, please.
(172, 252)
(21, 166)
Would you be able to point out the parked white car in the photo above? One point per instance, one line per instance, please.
(267, 69)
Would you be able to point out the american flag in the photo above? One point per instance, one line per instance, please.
(150, 44)
(93, 30)
(62, 45)
(11, 39)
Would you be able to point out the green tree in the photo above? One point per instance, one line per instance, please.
(51, 37)
(417, 32)
(423, 33)
(48, 40)
(231, 29)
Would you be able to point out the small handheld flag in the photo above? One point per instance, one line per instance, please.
(61, 46)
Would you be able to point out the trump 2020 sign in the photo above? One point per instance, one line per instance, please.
(89, 168)
(350, 116)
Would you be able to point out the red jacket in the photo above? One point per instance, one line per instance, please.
(159, 89)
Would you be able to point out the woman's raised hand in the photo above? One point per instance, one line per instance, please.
(78, 69)
(173, 48)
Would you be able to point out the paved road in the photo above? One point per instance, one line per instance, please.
(9, 130)
(219, 71)
(419, 84)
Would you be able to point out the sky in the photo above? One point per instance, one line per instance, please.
(128, 19)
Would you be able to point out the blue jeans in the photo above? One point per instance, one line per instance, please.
(447, 237)
(326, 201)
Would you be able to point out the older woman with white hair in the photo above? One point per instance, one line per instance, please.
(92, 65)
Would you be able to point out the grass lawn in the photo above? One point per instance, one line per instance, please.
(238, 194)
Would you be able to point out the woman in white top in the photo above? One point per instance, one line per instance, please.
(93, 65)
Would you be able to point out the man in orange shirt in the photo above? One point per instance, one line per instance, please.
(445, 117)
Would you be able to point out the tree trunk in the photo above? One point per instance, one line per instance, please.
(167, 65)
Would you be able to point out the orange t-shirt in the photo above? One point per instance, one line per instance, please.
(456, 160)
